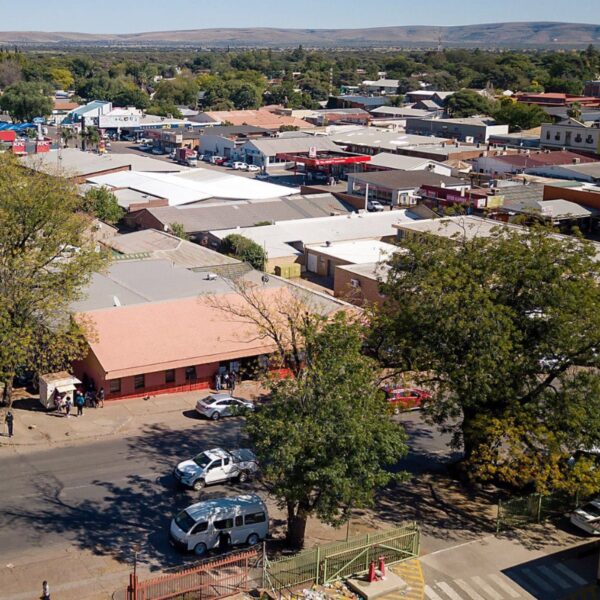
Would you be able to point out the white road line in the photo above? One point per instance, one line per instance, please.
(431, 594)
(554, 577)
(468, 589)
(571, 574)
(448, 591)
(491, 593)
(503, 585)
(539, 582)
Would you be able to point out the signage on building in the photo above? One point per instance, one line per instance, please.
(18, 147)
(114, 121)
(42, 146)
(312, 152)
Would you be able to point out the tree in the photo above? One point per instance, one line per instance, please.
(46, 259)
(67, 134)
(495, 326)
(245, 249)
(130, 95)
(574, 112)
(245, 96)
(10, 73)
(179, 230)
(179, 91)
(90, 137)
(519, 116)
(26, 100)
(466, 103)
(164, 109)
(102, 204)
(325, 437)
(62, 78)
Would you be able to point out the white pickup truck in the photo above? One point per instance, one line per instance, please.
(216, 466)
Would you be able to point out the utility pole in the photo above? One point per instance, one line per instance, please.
(439, 46)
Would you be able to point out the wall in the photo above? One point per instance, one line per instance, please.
(571, 137)
(587, 199)
(325, 264)
(366, 294)
(216, 145)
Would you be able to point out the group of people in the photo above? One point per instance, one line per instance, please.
(226, 381)
(64, 402)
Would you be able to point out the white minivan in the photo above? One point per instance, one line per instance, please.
(221, 521)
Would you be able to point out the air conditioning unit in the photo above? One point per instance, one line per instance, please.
(355, 283)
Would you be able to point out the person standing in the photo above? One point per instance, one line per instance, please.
(232, 380)
(9, 419)
(45, 591)
(79, 402)
(218, 382)
(100, 397)
(226, 380)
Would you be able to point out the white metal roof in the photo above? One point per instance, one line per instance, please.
(356, 251)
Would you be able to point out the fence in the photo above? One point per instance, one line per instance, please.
(209, 580)
(329, 562)
(519, 511)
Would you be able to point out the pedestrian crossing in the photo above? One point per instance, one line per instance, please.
(544, 581)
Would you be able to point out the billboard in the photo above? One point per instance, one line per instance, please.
(128, 121)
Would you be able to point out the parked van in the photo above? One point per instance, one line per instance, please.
(221, 521)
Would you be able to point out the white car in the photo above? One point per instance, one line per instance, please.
(216, 466)
(262, 176)
(252, 168)
(374, 206)
(239, 166)
(220, 405)
(587, 517)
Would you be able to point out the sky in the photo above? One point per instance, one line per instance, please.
(129, 16)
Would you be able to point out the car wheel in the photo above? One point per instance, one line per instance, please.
(253, 539)
(215, 416)
(198, 485)
(200, 549)
(243, 477)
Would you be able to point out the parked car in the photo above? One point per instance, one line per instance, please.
(217, 160)
(252, 168)
(220, 405)
(145, 140)
(375, 206)
(226, 163)
(400, 398)
(158, 151)
(320, 176)
(216, 466)
(145, 147)
(262, 176)
(238, 165)
(587, 517)
(201, 526)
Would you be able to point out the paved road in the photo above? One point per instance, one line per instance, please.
(103, 496)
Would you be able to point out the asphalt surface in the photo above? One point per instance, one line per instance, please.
(109, 495)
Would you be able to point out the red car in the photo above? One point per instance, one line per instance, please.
(400, 398)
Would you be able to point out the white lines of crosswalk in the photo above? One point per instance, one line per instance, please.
(543, 579)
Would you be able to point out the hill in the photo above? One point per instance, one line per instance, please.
(531, 34)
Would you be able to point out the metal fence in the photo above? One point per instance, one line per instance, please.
(323, 564)
(535, 508)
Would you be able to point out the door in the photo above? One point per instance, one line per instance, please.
(215, 472)
(312, 262)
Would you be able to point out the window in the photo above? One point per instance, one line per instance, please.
(547, 135)
(190, 373)
(223, 524)
(199, 527)
(239, 521)
(170, 376)
(217, 464)
(557, 136)
(139, 381)
(114, 386)
(259, 517)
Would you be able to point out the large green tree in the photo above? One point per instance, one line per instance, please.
(102, 203)
(26, 100)
(245, 249)
(466, 103)
(519, 116)
(46, 259)
(325, 437)
(506, 331)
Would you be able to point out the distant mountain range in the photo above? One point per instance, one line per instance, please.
(494, 35)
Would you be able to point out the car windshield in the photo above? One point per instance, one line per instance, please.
(202, 460)
(184, 521)
(592, 510)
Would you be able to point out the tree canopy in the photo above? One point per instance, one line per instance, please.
(519, 116)
(466, 103)
(26, 100)
(245, 249)
(325, 437)
(46, 258)
(505, 330)
(102, 203)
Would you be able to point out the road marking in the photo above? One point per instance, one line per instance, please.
(542, 583)
(467, 588)
(571, 574)
(431, 594)
(497, 579)
(448, 591)
(554, 577)
(490, 591)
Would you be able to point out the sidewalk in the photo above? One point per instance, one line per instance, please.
(34, 428)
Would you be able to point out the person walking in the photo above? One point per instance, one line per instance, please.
(218, 382)
(226, 380)
(68, 405)
(232, 380)
(9, 419)
(100, 397)
(45, 591)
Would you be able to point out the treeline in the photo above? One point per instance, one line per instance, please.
(158, 80)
